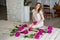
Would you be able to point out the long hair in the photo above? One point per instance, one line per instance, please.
(39, 8)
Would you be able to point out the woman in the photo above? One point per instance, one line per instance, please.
(37, 16)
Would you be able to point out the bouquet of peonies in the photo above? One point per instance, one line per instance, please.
(17, 31)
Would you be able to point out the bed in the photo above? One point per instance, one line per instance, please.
(6, 26)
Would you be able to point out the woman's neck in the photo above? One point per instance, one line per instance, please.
(36, 10)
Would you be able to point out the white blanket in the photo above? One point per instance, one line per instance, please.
(6, 26)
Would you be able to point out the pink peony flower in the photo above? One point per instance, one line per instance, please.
(25, 25)
(41, 31)
(30, 29)
(50, 27)
(49, 31)
(20, 28)
(25, 31)
(17, 34)
(39, 34)
(36, 37)
(34, 22)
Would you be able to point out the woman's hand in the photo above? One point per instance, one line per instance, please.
(30, 25)
(34, 26)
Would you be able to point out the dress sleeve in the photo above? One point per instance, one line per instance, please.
(41, 11)
(33, 11)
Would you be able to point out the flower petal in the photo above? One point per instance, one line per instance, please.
(17, 34)
(20, 28)
(25, 31)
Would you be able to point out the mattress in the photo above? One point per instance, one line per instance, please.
(5, 34)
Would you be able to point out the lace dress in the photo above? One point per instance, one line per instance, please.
(38, 18)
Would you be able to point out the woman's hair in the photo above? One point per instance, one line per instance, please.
(39, 8)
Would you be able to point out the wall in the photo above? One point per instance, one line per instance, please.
(15, 10)
(26, 14)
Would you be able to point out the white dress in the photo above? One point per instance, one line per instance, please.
(38, 18)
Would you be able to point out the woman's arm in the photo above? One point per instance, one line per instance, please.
(33, 15)
(42, 17)
(33, 18)
(31, 25)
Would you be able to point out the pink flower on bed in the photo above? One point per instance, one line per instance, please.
(49, 29)
(20, 28)
(41, 31)
(17, 34)
(30, 29)
(25, 25)
(38, 34)
(25, 31)
(34, 22)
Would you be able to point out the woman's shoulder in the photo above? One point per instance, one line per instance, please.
(41, 11)
(33, 10)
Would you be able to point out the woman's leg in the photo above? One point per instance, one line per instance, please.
(30, 25)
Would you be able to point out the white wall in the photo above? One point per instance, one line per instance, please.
(26, 14)
(16, 11)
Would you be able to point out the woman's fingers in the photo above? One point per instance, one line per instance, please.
(30, 25)
(34, 26)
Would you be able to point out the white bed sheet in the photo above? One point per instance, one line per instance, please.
(4, 34)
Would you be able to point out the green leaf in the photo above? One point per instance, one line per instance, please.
(12, 34)
(37, 28)
(20, 25)
(26, 36)
(16, 27)
(31, 35)
(14, 30)
(45, 30)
